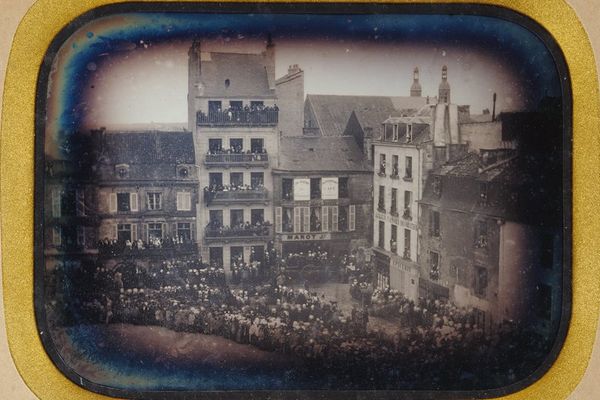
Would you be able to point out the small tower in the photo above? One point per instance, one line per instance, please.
(444, 90)
(415, 89)
(270, 61)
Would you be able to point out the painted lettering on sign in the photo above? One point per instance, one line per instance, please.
(301, 189)
(306, 236)
(329, 188)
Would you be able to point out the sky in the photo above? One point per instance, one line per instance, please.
(132, 68)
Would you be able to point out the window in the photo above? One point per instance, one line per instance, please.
(343, 218)
(434, 266)
(381, 202)
(352, 218)
(184, 231)
(481, 234)
(257, 145)
(257, 105)
(434, 224)
(216, 218)
(236, 145)
(408, 133)
(407, 233)
(394, 239)
(305, 219)
(57, 236)
(395, 170)
(394, 205)
(155, 231)
(287, 188)
(257, 180)
(483, 193)
(288, 219)
(214, 106)
(123, 202)
(315, 188)
(215, 146)
(481, 281)
(408, 169)
(257, 216)
(547, 251)
(315, 219)
(236, 218)
(236, 179)
(381, 241)
(395, 135)
(343, 188)
(407, 214)
(124, 232)
(543, 302)
(216, 180)
(154, 201)
(236, 104)
(389, 129)
(236, 254)
(382, 165)
(184, 201)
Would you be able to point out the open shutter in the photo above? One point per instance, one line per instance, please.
(56, 236)
(133, 202)
(80, 202)
(144, 235)
(134, 235)
(188, 203)
(278, 219)
(112, 203)
(352, 218)
(334, 218)
(297, 219)
(56, 203)
(306, 219)
(325, 224)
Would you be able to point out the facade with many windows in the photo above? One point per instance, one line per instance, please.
(147, 193)
(234, 119)
(402, 155)
(322, 198)
(482, 245)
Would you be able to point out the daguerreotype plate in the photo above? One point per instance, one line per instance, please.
(297, 199)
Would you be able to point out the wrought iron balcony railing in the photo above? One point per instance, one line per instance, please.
(267, 117)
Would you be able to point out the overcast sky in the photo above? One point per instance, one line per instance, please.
(132, 68)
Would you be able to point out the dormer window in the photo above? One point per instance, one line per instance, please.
(184, 172)
(122, 170)
(395, 134)
(408, 133)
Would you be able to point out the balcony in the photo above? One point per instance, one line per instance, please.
(236, 196)
(252, 233)
(247, 160)
(407, 215)
(264, 117)
(165, 249)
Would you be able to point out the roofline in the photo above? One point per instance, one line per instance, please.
(319, 172)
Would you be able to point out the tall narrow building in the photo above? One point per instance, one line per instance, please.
(234, 119)
(415, 89)
(444, 89)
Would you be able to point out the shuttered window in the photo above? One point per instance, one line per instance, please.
(352, 218)
(278, 218)
(334, 218)
(305, 219)
(297, 219)
(325, 211)
(184, 201)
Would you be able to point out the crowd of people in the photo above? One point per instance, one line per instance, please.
(118, 247)
(437, 344)
(246, 229)
(255, 113)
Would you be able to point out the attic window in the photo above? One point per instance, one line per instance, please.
(227, 82)
(311, 149)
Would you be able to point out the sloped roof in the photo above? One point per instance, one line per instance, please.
(333, 111)
(319, 153)
(148, 148)
(246, 73)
